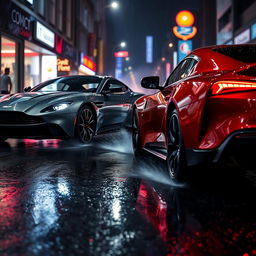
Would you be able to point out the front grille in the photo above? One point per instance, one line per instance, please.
(16, 118)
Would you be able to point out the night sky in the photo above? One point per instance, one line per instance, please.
(135, 19)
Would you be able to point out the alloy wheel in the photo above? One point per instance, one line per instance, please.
(174, 147)
(86, 125)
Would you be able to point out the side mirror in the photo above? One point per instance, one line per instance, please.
(27, 89)
(150, 82)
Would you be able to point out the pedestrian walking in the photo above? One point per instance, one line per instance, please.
(6, 82)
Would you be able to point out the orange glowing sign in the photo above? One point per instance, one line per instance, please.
(184, 30)
(177, 33)
(63, 65)
(185, 19)
(89, 63)
(122, 54)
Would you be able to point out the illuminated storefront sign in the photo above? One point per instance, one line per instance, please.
(184, 48)
(184, 30)
(253, 31)
(243, 37)
(149, 49)
(63, 65)
(44, 35)
(16, 21)
(89, 63)
(122, 54)
(20, 19)
(119, 67)
(58, 44)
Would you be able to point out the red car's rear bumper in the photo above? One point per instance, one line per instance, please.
(240, 140)
(225, 115)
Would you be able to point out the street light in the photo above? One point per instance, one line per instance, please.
(123, 44)
(170, 45)
(114, 5)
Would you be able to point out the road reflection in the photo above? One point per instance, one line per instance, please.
(61, 198)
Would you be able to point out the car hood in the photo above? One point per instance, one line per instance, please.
(25, 101)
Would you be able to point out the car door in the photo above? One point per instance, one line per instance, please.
(155, 111)
(116, 105)
(174, 83)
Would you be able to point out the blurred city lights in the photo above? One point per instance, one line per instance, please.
(185, 19)
(123, 44)
(170, 45)
(114, 5)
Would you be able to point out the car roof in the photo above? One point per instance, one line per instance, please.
(212, 57)
(74, 76)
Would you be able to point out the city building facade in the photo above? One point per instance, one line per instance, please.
(42, 39)
(236, 21)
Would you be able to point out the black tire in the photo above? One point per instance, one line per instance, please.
(85, 125)
(176, 159)
(136, 143)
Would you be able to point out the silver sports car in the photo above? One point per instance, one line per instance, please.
(71, 106)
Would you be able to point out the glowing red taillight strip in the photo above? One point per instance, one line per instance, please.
(231, 86)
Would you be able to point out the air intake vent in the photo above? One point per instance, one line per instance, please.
(15, 118)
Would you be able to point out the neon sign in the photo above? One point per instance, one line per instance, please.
(184, 30)
(63, 65)
(122, 54)
(89, 63)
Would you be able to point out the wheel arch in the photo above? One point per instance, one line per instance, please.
(170, 109)
(88, 104)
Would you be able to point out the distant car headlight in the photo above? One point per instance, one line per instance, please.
(57, 107)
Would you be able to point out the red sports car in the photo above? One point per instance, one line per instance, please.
(207, 102)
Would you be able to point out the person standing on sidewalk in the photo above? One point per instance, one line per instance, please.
(6, 82)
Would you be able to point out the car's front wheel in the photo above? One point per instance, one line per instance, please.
(85, 125)
(176, 160)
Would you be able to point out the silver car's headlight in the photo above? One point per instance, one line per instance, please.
(60, 106)
(57, 107)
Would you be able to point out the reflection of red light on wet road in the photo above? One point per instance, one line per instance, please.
(153, 208)
(10, 214)
(44, 143)
(184, 234)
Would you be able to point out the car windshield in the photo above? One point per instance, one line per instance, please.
(86, 84)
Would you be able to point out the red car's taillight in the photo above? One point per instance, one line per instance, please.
(231, 86)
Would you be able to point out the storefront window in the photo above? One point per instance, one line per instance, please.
(32, 67)
(40, 64)
(8, 59)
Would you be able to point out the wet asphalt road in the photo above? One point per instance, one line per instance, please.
(59, 198)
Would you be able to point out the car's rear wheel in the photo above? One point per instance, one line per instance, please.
(85, 125)
(136, 134)
(176, 160)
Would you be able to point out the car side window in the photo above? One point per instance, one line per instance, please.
(182, 70)
(114, 87)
